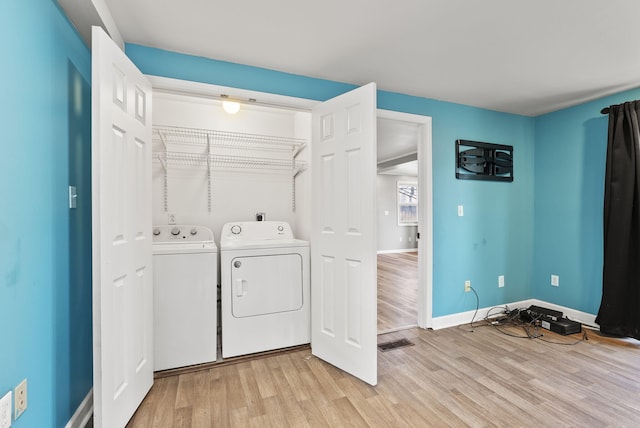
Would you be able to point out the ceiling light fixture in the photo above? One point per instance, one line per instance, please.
(231, 107)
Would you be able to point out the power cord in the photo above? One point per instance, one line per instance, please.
(477, 307)
(513, 318)
(475, 312)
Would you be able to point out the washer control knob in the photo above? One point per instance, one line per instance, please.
(194, 231)
(237, 264)
(175, 231)
(280, 228)
(236, 229)
(156, 231)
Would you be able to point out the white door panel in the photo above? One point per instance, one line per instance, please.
(122, 274)
(344, 305)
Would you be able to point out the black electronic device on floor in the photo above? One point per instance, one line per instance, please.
(550, 320)
(562, 326)
(537, 313)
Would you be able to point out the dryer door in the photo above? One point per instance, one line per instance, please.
(266, 284)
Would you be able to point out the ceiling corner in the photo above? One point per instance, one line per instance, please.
(85, 14)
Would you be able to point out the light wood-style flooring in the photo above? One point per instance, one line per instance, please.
(451, 377)
(397, 291)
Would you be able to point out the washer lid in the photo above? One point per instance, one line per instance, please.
(183, 247)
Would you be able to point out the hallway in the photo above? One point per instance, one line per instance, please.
(397, 291)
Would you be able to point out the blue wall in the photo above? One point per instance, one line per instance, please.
(496, 234)
(548, 221)
(45, 258)
(570, 154)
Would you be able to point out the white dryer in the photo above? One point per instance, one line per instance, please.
(185, 296)
(265, 287)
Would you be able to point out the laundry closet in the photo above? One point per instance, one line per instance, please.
(140, 177)
(244, 176)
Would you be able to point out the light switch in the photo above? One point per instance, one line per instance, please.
(73, 197)
(460, 211)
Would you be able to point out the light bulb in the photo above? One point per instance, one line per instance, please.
(231, 107)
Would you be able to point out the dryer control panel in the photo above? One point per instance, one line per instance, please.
(255, 231)
(181, 233)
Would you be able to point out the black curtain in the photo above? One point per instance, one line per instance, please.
(619, 312)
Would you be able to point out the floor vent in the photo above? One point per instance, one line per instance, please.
(388, 346)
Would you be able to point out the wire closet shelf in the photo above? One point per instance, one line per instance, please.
(230, 162)
(227, 139)
(222, 151)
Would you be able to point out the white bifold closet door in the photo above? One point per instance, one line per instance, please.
(121, 202)
(343, 262)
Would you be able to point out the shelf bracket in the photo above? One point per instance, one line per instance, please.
(209, 172)
(162, 140)
(166, 181)
(297, 149)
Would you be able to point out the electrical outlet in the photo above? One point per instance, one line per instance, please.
(555, 280)
(172, 219)
(500, 281)
(21, 399)
(5, 410)
(467, 286)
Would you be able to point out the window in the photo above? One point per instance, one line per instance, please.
(407, 203)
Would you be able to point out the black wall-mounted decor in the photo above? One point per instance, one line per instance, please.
(483, 161)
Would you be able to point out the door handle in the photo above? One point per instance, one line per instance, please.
(238, 287)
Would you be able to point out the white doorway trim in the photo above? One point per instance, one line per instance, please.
(425, 176)
(425, 211)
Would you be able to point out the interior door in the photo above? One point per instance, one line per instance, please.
(122, 271)
(343, 296)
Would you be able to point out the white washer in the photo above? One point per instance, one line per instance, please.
(265, 287)
(185, 296)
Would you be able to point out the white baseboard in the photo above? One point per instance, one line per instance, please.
(402, 250)
(465, 317)
(83, 413)
(461, 318)
(572, 314)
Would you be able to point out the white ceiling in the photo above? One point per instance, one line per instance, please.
(395, 138)
(523, 57)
